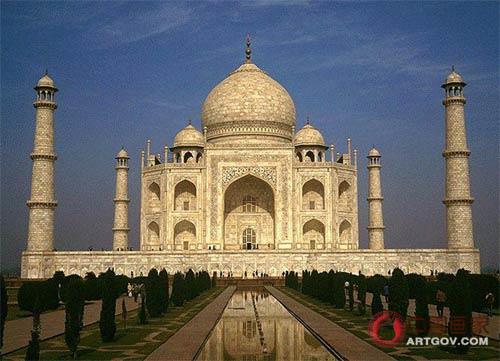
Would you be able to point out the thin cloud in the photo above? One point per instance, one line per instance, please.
(139, 26)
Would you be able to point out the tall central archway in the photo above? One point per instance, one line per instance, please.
(249, 204)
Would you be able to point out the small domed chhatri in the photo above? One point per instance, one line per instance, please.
(454, 77)
(189, 137)
(122, 154)
(46, 81)
(248, 104)
(374, 152)
(309, 135)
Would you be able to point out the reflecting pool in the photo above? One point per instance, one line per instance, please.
(255, 326)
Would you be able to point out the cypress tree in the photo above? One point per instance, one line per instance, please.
(377, 306)
(73, 295)
(361, 294)
(164, 290)
(421, 305)
(351, 294)
(190, 285)
(214, 279)
(460, 303)
(110, 293)
(142, 309)
(398, 293)
(153, 294)
(178, 292)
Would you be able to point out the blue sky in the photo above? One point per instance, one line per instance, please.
(131, 71)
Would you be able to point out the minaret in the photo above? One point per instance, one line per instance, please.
(120, 226)
(42, 203)
(456, 154)
(375, 214)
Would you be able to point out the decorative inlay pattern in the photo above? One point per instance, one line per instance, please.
(266, 173)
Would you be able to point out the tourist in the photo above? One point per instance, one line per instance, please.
(129, 289)
(346, 289)
(386, 293)
(489, 300)
(440, 301)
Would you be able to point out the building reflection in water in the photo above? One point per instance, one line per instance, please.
(237, 337)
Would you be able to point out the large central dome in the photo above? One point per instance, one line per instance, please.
(250, 106)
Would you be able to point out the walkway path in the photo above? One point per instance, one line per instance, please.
(345, 343)
(185, 343)
(18, 332)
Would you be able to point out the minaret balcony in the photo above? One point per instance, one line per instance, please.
(44, 104)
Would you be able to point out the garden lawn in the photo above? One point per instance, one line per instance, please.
(358, 326)
(133, 343)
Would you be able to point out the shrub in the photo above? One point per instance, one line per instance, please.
(377, 306)
(153, 294)
(361, 282)
(163, 290)
(73, 295)
(178, 292)
(459, 297)
(189, 285)
(110, 293)
(214, 279)
(419, 290)
(92, 287)
(398, 293)
(338, 299)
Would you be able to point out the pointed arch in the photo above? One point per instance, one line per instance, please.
(345, 232)
(309, 156)
(249, 202)
(154, 198)
(184, 235)
(188, 157)
(299, 156)
(313, 233)
(313, 195)
(185, 196)
(344, 192)
(153, 235)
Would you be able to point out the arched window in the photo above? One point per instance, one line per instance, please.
(188, 157)
(154, 197)
(153, 235)
(313, 232)
(249, 204)
(344, 193)
(345, 233)
(198, 157)
(184, 235)
(249, 238)
(313, 195)
(299, 156)
(320, 156)
(185, 196)
(309, 156)
(177, 158)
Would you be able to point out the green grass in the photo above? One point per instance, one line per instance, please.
(133, 343)
(358, 326)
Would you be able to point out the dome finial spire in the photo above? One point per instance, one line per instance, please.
(453, 68)
(46, 71)
(248, 51)
(307, 120)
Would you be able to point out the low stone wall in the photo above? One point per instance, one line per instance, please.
(44, 264)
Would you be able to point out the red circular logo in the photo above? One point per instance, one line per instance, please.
(383, 318)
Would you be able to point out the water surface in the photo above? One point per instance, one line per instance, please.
(255, 326)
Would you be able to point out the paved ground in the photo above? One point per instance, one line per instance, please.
(344, 342)
(185, 343)
(18, 332)
(482, 324)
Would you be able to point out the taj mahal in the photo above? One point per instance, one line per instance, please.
(250, 190)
